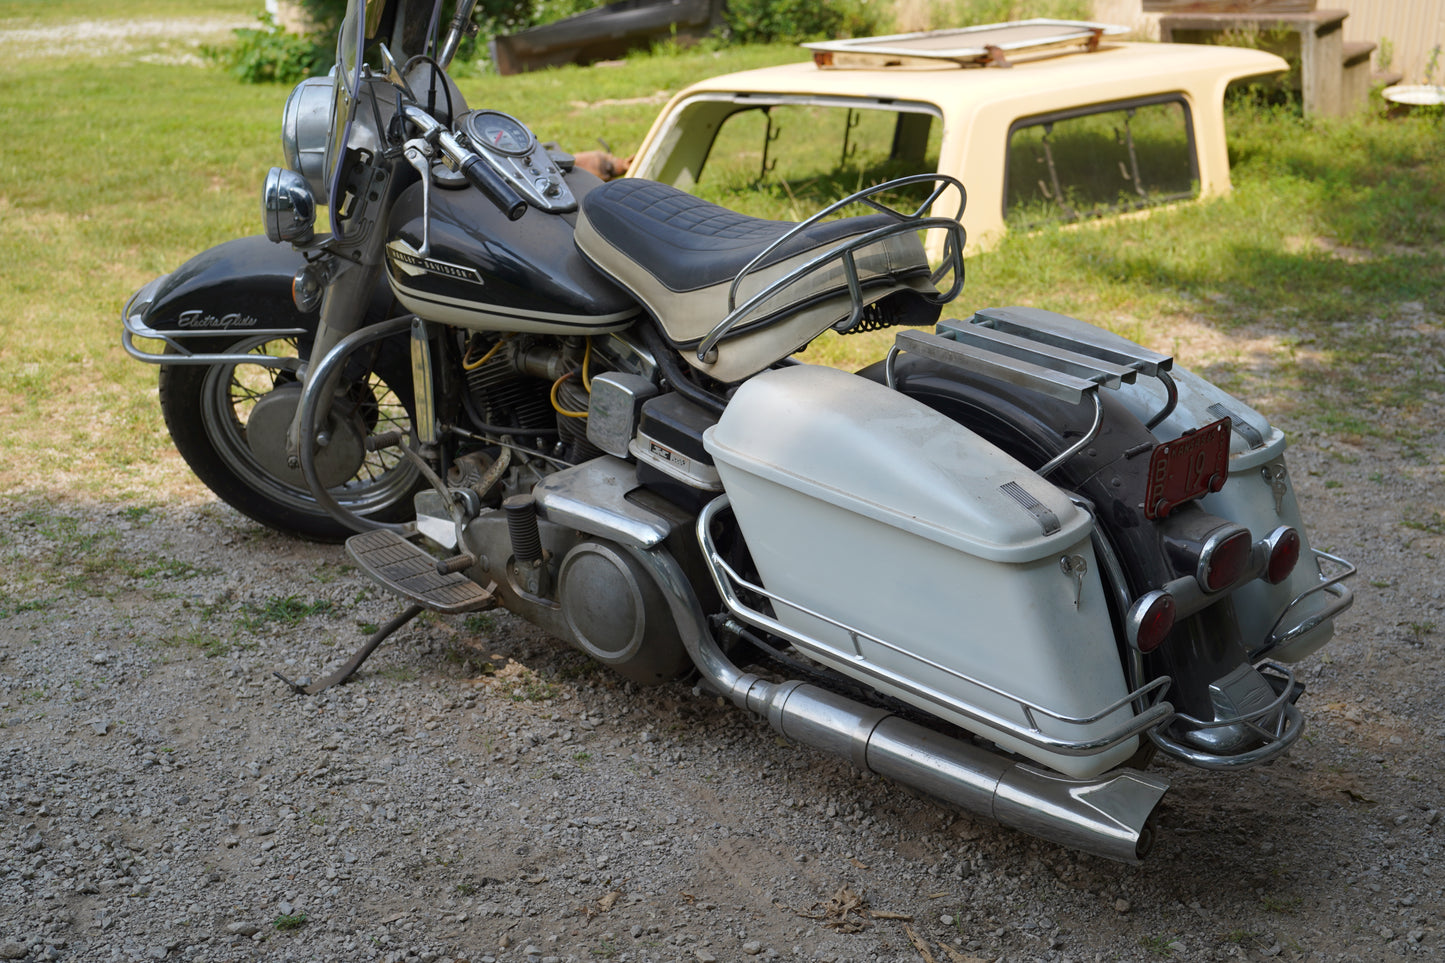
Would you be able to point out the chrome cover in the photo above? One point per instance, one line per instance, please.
(288, 207)
(306, 128)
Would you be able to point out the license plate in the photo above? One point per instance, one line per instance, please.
(1186, 468)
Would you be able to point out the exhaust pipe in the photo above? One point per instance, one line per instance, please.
(1110, 816)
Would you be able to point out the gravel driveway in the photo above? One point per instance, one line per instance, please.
(481, 793)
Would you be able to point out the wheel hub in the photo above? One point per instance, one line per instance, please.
(337, 461)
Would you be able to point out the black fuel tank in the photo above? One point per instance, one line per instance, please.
(491, 274)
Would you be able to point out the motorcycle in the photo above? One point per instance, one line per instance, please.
(1004, 566)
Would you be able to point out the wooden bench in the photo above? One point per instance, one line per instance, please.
(1319, 37)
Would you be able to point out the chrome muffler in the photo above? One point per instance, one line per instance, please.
(1108, 816)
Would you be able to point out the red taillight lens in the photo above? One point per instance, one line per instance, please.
(1284, 549)
(1224, 560)
(1151, 619)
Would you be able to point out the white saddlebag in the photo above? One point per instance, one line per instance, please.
(900, 547)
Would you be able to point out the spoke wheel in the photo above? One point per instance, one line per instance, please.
(209, 412)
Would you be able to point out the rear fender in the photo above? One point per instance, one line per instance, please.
(1111, 473)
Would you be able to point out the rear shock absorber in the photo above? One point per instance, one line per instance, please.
(528, 559)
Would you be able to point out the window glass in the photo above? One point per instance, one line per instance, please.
(809, 156)
(1116, 158)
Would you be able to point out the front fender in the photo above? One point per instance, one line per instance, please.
(239, 287)
(242, 285)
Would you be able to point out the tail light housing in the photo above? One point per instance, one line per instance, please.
(1150, 620)
(1224, 558)
(1283, 545)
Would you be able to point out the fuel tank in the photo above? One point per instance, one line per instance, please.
(488, 273)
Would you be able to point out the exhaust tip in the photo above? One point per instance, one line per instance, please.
(1113, 816)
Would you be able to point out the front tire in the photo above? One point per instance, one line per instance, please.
(207, 409)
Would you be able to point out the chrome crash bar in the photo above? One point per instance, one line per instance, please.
(179, 353)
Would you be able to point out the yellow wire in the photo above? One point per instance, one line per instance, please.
(557, 405)
(586, 367)
(474, 365)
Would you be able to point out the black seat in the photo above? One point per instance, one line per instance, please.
(688, 243)
(680, 256)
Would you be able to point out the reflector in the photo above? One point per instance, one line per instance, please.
(1284, 551)
(1151, 619)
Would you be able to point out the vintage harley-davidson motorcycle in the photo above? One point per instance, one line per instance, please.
(1003, 566)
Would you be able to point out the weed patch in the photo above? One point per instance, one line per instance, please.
(289, 610)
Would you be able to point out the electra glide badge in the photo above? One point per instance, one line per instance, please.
(200, 319)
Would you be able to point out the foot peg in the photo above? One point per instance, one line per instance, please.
(411, 573)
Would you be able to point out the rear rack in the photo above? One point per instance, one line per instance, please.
(1053, 354)
(843, 254)
(985, 45)
(1150, 708)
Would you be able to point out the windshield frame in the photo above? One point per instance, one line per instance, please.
(346, 84)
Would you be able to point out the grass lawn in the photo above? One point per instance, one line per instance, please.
(1313, 291)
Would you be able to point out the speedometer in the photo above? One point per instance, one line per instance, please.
(499, 132)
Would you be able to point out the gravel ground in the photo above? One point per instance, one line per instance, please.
(481, 793)
(176, 40)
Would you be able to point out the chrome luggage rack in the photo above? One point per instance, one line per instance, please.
(1149, 706)
(905, 223)
(983, 45)
(1056, 355)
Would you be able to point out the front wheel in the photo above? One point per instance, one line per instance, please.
(228, 423)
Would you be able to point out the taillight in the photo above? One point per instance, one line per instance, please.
(1224, 559)
(1151, 619)
(1284, 547)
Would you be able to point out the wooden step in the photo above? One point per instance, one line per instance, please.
(1356, 52)
(1355, 81)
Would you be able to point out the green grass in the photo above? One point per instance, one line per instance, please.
(288, 610)
(1312, 290)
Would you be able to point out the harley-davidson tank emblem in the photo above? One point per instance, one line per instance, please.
(406, 258)
(201, 319)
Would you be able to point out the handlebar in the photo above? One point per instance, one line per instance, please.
(481, 176)
(477, 171)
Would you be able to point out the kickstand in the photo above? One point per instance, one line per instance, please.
(362, 654)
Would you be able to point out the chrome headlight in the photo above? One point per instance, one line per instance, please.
(306, 128)
(288, 207)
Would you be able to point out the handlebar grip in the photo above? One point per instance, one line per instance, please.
(490, 183)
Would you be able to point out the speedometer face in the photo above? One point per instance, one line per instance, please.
(497, 131)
